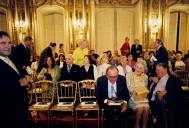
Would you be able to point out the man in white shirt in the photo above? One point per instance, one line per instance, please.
(12, 95)
(166, 93)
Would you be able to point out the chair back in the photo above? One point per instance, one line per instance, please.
(87, 90)
(30, 93)
(44, 91)
(178, 68)
(182, 75)
(66, 91)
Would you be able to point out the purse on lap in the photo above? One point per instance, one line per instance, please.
(140, 93)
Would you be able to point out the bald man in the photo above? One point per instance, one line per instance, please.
(70, 71)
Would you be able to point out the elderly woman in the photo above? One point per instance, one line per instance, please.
(179, 63)
(125, 66)
(137, 84)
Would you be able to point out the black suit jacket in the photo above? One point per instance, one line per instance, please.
(161, 55)
(21, 56)
(87, 75)
(174, 95)
(73, 75)
(102, 89)
(47, 52)
(136, 52)
(13, 108)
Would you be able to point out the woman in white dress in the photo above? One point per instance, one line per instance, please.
(137, 82)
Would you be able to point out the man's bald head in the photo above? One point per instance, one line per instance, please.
(69, 59)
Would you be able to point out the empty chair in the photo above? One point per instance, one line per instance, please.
(44, 94)
(88, 108)
(66, 96)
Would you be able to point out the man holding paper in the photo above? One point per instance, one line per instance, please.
(112, 94)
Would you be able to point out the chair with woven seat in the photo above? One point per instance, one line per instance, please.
(43, 91)
(88, 108)
(66, 95)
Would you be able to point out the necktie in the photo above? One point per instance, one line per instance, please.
(113, 93)
(69, 68)
(152, 90)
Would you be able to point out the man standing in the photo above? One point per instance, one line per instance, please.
(13, 108)
(161, 54)
(136, 49)
(47, 52)
(112, 89)
(21, 54)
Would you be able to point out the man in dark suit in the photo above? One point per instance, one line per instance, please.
(21, 54)
(161, 52)
(47, 52)
(136, 49)
(70, 71)
(110, 89)
(13, 108)
(166, 93)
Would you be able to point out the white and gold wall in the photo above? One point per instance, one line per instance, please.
(103, 23)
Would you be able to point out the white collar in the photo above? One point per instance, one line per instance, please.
(109, 83)
(159, 47)
(4, 58)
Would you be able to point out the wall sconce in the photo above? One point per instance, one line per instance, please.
(20, 27)
(78, 23)
(154, 24)
(20, 24)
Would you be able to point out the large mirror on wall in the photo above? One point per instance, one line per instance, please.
(3, 20)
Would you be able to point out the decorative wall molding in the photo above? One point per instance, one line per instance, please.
(172, 2)
(38, 3)
(116, 2)
(3, 3)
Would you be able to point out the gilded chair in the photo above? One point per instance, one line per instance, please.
(88, 108)
(66, 96)
(43, 91)
(178, 68)
(182, 75)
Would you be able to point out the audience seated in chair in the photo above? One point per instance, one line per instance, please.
(125, 66)
(61, 61)
(104, 65)
(110, 89)
(137, 83)
(88, 70)
(70, 71)
(179, 64)
(50, 71)
(166, 94)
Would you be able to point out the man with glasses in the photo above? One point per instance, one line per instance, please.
(112, 94)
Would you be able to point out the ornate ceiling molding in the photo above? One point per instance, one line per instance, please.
(172, 2)
(39, 3)
(3, 3)
(115, 2)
